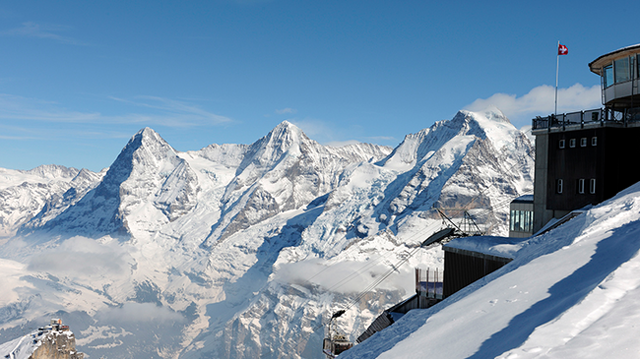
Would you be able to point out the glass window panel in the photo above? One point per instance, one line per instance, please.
(621, 69)
(608, 75)
(513, 220)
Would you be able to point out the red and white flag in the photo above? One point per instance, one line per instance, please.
(562, 50)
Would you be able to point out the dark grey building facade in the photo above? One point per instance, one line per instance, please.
(586, 157)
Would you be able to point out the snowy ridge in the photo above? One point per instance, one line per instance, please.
(28, 194)
(238, 251)
(282, 171)
(19, 348)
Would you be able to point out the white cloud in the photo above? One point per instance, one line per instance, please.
(81, 257)
(131, 312)
(178, 113)
(163, 112)
(286, 110)
(23, 108)
(42, 31)
(540, 101)
(12, 278)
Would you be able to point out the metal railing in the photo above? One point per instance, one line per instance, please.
(599, 115)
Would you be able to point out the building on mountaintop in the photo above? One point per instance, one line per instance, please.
(582, 157)
(54, 341)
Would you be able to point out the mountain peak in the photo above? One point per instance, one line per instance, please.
(286, 129)
(148, 135)
(285, 139)
(487, 118)
(286, 123)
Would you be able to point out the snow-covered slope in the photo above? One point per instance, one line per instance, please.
(21, 348)
(44, 189)
(571, 293)
(239, 251)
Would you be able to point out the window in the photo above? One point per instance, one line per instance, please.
(608, 75)
(561, 144)
(594, 141)
(621, 70)
(583, 142)
(513, 220)
(572, 143)
(592, 186)
(559, 186)
(581, 186)
(521, 221)
(528, 221)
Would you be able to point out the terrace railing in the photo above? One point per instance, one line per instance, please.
(599, 115)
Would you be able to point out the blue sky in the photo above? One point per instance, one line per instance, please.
(79, 78)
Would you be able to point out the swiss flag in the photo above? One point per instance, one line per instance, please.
(562, 50)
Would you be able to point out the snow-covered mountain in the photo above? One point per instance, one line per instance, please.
(29, 195)
(240, 251)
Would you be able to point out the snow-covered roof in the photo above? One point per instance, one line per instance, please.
(503, 247)
(527, 198)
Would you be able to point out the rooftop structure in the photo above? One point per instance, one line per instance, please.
(468, 259)
(618, 71)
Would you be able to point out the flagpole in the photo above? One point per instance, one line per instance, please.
(555, 111)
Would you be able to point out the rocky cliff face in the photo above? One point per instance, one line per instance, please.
(57, 345)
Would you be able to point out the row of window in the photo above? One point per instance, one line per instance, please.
(521, 221)
(621, 70)
(583, 142)
(580, 186)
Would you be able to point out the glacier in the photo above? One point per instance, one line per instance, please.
(241, 251)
